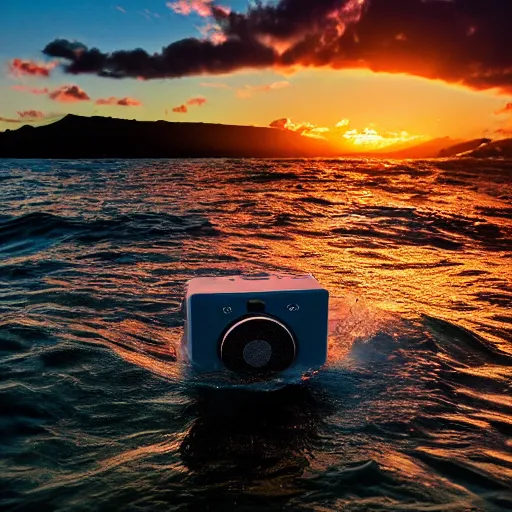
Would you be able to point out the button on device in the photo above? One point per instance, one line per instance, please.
(255, 306)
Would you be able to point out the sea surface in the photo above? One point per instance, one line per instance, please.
(413, 411)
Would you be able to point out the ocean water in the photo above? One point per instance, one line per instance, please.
(413, 411)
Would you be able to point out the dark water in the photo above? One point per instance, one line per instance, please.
(413, 411)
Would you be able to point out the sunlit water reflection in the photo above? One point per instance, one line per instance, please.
(412, 411)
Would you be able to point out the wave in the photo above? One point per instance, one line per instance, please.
(411, 412)
(36, 231)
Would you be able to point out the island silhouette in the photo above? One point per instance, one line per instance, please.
(75, 137)
(104, 137)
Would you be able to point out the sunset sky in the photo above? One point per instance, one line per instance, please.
(440, 67)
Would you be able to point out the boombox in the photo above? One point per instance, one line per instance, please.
(259, 326)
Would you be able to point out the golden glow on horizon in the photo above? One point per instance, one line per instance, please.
(386, 103)
(369, 138)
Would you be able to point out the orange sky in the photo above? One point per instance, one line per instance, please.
(380, 34)
(383, 102)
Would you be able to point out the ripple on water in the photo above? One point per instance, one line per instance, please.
(98, 411)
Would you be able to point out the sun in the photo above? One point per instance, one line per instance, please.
(371, 139)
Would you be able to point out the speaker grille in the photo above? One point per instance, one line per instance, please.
(257, 344)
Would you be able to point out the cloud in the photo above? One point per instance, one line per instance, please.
(506, 132)
(186, 7)
(203, 8)
(342, 123)
(24, 116)
(62, 48)
(31, 90)
(249, 90)
(305, 128)
(182, 109)
(120, 9)
(69, 94)
(507, 109)
(251, 40)
(368, 138)
(149, 14)
(470, 47)
(213, 33)
(123, 102)
(73, 93)
(280, 123)
(19, 67)
(199, 101)
(64, 94)
(183, 58)
(129, 102)
(9, 120)
(30, 114)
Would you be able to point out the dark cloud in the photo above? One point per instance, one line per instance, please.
(290, 20)
(182, 58)
(459, 41)
(65, 49)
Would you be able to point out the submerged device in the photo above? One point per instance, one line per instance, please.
(256, 325)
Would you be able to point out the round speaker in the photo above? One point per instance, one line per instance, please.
(257, 344)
